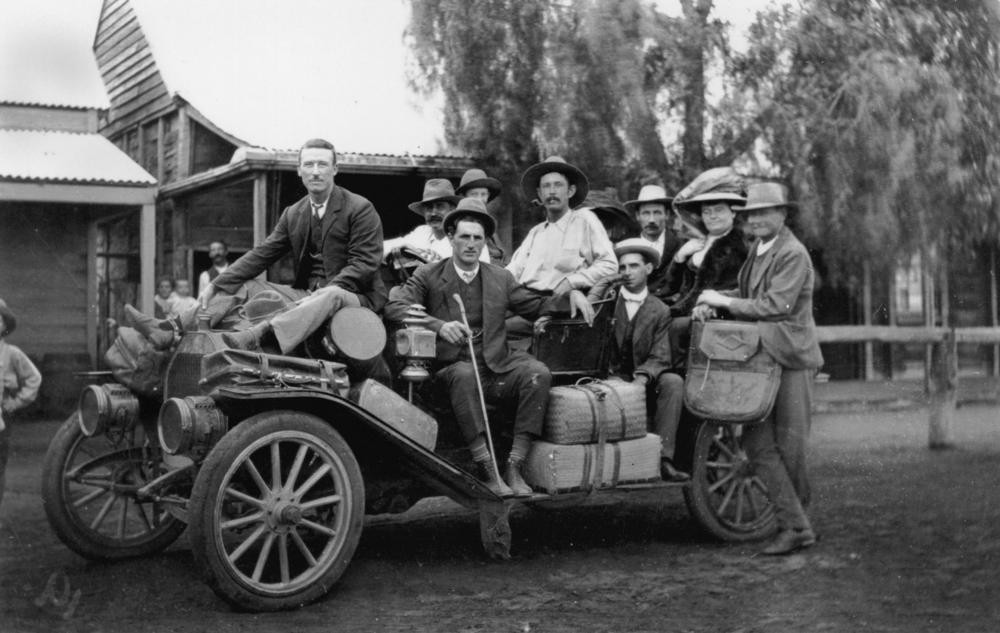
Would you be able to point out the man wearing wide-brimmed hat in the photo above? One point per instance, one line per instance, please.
(487, 292)
(639, 349)
(429, 239)
(476, 184)
(651, 210)
(19, 383)
(775, 290)
(570, 249)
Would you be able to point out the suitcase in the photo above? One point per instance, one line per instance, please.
(234, 368)
(396, 411)
(577, 412)
(730, 378)
(556, 468)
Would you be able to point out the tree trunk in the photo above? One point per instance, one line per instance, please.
(693, 47)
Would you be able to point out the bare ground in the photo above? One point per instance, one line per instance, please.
(910, 542)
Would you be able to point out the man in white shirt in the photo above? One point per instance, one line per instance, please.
(429, 239)
(218, 252)
(570, 249)
(652, 211)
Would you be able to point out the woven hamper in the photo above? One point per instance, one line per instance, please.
(556, 468)
(577, 412)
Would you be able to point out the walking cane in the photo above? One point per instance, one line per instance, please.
(479, 384)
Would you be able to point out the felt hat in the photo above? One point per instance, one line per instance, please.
(263, 306)
(9, 320)
(435, 189)
(474, 178)
(533, 175)
(721, 184)
(638, 245)
(606, 206)
(649, 193)
(762, 195)
(470, 206)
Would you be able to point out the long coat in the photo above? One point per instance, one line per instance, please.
(433, 286)
(719, 271)
(352, 248)
(776, 292)
(662, 282)
(650, 343)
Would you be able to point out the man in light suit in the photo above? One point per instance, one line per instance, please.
(335, 238)
(775, 290)
(640, 348)
(487, 292)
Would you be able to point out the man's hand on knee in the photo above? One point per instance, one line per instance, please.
(453, 332)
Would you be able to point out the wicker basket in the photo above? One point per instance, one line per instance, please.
(556, 468)
(577, 412)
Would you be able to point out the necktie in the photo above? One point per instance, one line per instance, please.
(316, 209)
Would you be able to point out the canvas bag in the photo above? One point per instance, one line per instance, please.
(135, 363)
(730, 378)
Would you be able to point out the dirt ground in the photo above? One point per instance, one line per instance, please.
(910, 542)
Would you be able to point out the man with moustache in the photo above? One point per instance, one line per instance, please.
(488, 292)
(570, 249)
(335, 238)
(218, 252)
(775, 290)
(652, 212)
(429, 239)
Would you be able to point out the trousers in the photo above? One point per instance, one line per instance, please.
(528, 384)
(777, 448)
(667, 391)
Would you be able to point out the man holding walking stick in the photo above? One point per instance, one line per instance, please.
(472, 336)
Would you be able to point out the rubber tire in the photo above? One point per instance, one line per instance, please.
(80, 538)
(208, 484)
(699, 499)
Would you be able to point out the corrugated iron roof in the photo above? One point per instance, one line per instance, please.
(35, 155)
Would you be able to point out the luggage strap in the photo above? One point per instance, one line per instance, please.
(593, 483)
(593, 388)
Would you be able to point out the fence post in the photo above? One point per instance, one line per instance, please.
(944, 384)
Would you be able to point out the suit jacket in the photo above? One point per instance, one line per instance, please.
(433, 284)
(662, 282)
(650, 343)
(352, 248)
(777, 293)
(719, 271)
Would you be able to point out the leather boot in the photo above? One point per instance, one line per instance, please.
(160, 332)
(248, 340)
(515, 480)
(788, 541)
(487, 475)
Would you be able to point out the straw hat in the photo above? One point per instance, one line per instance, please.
(638, 245)
(435, 189)
(532, 176)
(649, 193)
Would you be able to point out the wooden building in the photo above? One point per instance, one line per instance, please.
(215, 184)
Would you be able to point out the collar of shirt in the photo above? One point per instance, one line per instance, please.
(659, 243)
(319, 209)
(763, 247)
(633, 300)
(562, 222)
(466, 275)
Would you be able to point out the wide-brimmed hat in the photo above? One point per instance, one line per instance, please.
(9, 320)
(474, 178)
(649, 193)
(531, 177)
(762, 195)
(608, 209)
(470, 206)
(638, 245)
(265, 305)
(721, 184)
(435, 189)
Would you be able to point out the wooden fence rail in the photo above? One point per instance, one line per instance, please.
(944, 363)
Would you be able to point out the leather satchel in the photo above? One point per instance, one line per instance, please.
(730, 378)
(233, 367)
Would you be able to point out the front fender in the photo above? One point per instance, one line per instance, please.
(365, 433)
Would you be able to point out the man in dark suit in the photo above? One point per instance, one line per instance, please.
(487, 291)
(652, 213)
(335, 238)
(775, 290)
(640, 348)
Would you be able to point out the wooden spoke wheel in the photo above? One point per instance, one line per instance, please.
(724, 495)
(89, 487)
(277, 511)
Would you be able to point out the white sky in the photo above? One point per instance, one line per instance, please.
(258, 68)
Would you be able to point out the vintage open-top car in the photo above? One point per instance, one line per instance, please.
(273, 462)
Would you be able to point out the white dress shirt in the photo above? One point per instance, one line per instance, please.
(633, 300)
(468, 276)
(422, 238)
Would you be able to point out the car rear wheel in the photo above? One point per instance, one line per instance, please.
(277, 511)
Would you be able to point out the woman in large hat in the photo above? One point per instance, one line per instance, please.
(476, 184)
(20, 380)
(775, 290)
